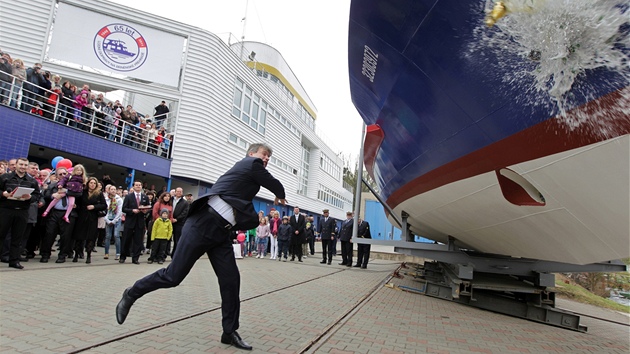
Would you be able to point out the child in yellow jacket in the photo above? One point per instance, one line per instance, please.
(160, 235)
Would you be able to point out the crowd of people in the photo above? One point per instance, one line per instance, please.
(85, 212)
(43, 93)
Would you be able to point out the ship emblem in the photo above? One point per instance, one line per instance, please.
(120, 47)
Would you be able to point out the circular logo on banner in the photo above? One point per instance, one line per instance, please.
(120, 47)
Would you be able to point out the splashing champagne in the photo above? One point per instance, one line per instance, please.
(565, 39)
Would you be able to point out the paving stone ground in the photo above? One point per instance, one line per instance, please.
(286, 307)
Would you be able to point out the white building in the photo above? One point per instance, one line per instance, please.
(221, 97)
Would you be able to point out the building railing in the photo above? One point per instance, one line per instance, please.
(89, 119)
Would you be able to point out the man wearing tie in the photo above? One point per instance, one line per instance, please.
(298, 225)
(134, 223)
(180, 212)
(326, 231)
(208, 230)
(363, 250)
(345, 236)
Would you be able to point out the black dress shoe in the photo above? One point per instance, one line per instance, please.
(300, 260)
(357, 265)
(121, 260)
(364, 267)
(61, 260)
(342, 263)
(329, 263)
(235, 340)
(135, 261)
(323, 262)
(30, 255)
(349, 265)
(23, 259)
(123, 307)
(44, 260)
(16, 265)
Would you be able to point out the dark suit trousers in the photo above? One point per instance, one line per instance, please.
(132, 236)
(55, 225)
(346, 252)
(202, 233)
(177, 234)
(13, 220)
(363, 254)
(327, 249)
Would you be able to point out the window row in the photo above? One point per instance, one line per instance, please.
(331, 197)
(282, 165)
(240, 142)
(249, 107)
(291, 100)
(329, 166)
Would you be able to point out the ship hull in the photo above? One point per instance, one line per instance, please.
(466, 156)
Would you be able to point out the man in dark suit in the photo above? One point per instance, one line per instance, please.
(298, 225)
(345, 236)
(326, 231)
(135, 205)
(180, 212)
(210, 220)
(363, 250)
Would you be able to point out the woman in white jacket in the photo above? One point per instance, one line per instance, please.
(113, 220)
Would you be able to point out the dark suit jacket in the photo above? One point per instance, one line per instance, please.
(298, 225)
(345, 232)
(326, 229)
(180, 212)
(238, 187)
(364, 230)
(131, 219)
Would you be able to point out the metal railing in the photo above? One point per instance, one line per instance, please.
(98, 121)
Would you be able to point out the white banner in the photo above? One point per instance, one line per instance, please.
(104, 42)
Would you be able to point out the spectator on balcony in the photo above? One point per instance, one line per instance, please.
(67, 95)
(31, 90)
(100, 126)
(161, 113)
(80, 101)
(151, 135)
(20, 75)
(45, 91)
(127, 120)
(6, 70)
(166, 146)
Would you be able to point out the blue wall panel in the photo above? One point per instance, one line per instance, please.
(20, 130)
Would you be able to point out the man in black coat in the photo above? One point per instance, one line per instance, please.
(363, 250)
(326, 232)
(14, 208)
(208, 227)
(180, 212)
(55, 224)
(298, 225)
(345, 236)
(136, 203)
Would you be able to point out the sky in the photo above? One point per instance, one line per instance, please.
(312, 36)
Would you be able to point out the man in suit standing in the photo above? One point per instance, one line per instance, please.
(326, 231)
(363, 250)
(298, 225)
(345, 236)
(180, 212)
(208, 228)
(134, 207)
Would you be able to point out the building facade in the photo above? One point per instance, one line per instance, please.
(221, 99)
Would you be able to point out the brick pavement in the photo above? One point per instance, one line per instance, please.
(51, 308)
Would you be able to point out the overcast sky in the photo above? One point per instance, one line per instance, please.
(312, 37)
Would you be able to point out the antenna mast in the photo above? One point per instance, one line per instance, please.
(244, 20)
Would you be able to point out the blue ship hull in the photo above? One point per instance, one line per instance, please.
(437, 114)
